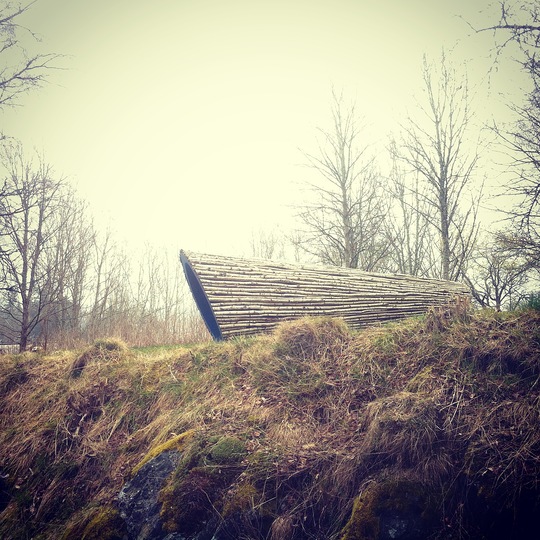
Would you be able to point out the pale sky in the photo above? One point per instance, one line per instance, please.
(181, 121)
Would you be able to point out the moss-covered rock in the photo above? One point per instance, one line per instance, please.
(227, 450)
(177, 443)
(199, 484)
(242, 498)
(187, 502)
(139, 498)
(105, 525)
(396, 508)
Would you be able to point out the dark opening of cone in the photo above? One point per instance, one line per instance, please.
(200, 297)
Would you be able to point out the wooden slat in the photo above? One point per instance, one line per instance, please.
(250, 296)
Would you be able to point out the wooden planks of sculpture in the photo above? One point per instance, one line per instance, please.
(238, 296)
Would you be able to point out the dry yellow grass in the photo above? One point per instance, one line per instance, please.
(450, 400)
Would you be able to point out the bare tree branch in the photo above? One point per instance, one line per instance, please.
(20, 71)
(435, 148)
(345, 224)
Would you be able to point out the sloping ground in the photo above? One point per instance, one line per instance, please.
(429, 428)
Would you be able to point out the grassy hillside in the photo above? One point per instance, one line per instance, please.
(429, 426)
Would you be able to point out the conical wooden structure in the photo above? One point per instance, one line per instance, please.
(239, 296)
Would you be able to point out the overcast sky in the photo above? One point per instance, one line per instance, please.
(182, 120)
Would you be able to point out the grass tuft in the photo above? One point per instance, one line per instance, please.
(101, 349)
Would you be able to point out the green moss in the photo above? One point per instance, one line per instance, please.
(404, 500)
(243, 498)
(187, 501)
(95, 523)
(227, 450)
(105, 525)
(177, 443)
(363, 523)
(198, 486)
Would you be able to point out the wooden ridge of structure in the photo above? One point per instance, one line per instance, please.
(238, 296)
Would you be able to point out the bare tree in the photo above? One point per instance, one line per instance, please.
(63, 284)
(174, 294)
(19, 70)
(267, 244)
(521, 245)
(160, 298)
(111, 291)
(519, 23)
(26, 230)
(435, 146)
(68, 262)
(343, 226)
(498, 277)
(522, 144)
(409, 229)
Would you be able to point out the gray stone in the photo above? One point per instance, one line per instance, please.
(138, 499)
(404, 525)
